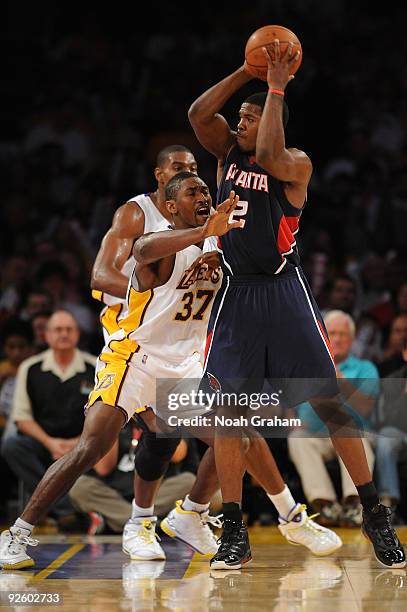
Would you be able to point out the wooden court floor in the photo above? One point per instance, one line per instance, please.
(92, 573)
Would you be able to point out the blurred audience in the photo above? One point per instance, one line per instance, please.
(17, 344)
(16, 341)
(82, 145)
(35, 302)
(53, 277)
(392, 358)
(310, 447)
(48, 407)
(401, 305)
(39, 322)
(368, 340)
(341, 294)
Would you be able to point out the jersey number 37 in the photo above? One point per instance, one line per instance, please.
(205, 297)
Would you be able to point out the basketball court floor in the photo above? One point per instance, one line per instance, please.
(92, 573)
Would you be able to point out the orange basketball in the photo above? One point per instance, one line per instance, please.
(254, 54)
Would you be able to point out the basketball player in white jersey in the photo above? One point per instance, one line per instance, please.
(140, 215)
(172, 329)
(127, 370)
(114, 263)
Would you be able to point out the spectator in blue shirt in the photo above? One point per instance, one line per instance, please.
(310, 447)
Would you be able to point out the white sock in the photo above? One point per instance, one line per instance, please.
(190, 505)
(20, 524)
(138, 511)
(283, 502)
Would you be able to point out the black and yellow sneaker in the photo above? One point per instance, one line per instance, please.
(234, 550)
(378, 529)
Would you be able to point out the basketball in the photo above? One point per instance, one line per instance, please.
(254, 54)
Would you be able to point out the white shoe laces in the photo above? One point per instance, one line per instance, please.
(212, 520)
(21, 540)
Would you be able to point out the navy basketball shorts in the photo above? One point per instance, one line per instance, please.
(268, 331)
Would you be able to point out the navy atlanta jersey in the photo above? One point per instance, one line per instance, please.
(267, 243)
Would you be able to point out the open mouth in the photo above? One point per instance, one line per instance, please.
(203, 210)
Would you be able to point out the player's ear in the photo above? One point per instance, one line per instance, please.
(171, 206)
(158, 173)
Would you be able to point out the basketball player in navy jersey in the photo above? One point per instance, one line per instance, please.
(268, 325)
(114, 263)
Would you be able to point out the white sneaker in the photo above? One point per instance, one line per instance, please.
(13, 548)
(299, 529)
(140, 539)
(192, 528)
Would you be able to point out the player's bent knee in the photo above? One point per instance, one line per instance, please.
(153, 455)
(333, 414)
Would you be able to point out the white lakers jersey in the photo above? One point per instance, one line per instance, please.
(168, 322)
(153, 220)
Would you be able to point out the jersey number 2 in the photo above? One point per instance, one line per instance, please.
(239, 212)
(206, 295)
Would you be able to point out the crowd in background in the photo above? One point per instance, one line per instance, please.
(89, 102)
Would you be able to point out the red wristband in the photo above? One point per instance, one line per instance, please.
(279, 92)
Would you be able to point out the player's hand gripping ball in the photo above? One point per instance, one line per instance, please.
(255, 60)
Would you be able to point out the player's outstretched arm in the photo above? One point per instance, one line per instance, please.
(287, 165)
(127, 226)
(159, 245)
(211, 128)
